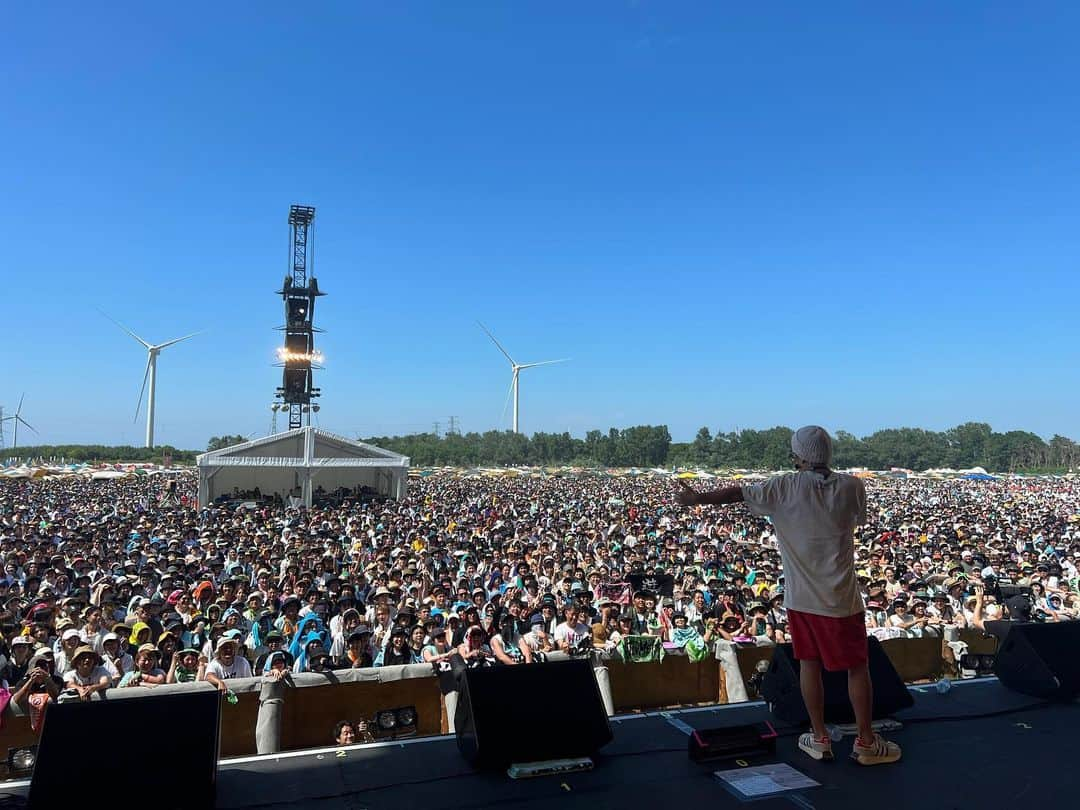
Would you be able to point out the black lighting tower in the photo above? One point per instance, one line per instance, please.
(298, 357)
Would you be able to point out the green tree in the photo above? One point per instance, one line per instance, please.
(219, 442)
(702, 446)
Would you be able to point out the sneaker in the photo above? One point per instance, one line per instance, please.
(879, 752)
(818, 749)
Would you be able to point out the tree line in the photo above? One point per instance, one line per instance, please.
(640, 446)
(972, 444)
(93, 453)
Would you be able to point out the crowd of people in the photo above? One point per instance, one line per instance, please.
(120, 583)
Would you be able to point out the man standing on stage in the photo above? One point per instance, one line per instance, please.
(815, 512)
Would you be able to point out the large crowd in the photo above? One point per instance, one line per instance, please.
(120, 583)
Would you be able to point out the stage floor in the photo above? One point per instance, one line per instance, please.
(979, 745)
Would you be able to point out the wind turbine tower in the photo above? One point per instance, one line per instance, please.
(152, 352)
(516, 369)
(15, 420)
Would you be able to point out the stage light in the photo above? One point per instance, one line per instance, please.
(286, 356)
(756, 679)
(386, 720)
(394, 723)
(316, 408)
(977, 664)
(22, 759)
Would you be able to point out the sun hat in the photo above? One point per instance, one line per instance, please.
(85, 650)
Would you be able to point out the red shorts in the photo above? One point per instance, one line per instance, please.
(838, 643)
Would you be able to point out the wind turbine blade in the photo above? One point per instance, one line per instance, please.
(146, 374)
(143, 342)
(544, 363)
(177, 340)
(24, 423)
(501, 349)
(19, 409)
(506, 402)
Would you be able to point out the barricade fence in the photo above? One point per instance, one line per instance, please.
(301, 711)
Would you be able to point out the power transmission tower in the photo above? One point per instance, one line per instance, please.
(453, 426)
(437, 429)
(1, 427)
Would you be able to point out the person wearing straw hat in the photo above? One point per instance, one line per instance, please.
(87, 675)
(146, 672)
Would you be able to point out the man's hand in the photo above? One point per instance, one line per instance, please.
(687, 495)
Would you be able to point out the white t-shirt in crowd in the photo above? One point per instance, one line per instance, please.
(72, 676)
(572, 635)
(815, 518)
(240, 668)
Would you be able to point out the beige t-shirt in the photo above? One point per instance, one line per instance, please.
(814, 518)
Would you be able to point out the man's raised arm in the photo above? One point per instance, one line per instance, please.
(688, 496)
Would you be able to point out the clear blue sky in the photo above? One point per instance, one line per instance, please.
(862, 215)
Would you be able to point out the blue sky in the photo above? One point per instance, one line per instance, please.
(861, 215)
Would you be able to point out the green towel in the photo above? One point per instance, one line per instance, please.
(640, 649)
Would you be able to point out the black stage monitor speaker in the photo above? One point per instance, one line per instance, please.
(529, 713)
(1040, 659)
(780, 688)
(139, 740)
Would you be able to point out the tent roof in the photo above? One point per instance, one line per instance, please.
(280, 450)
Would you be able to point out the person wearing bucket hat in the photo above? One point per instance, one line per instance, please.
(21, 649)
(815, 512)
(87, 675)
(41, 682)
(227, 664)
(276, 665)
(146, 672)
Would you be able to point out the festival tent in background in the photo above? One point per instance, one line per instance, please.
(108, 475)
(294, 463)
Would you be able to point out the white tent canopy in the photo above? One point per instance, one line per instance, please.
(296, 463)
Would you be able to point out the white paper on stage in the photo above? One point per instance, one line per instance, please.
(765, 780)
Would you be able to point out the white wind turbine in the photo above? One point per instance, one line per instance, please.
(516, 368)
(152, 352)
(16, 420)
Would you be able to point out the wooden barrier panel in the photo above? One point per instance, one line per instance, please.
(749, 657)
(978, 642)
(309, 714)
(17, 732)
(238, 725)
(675, 681)
(915, 659)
